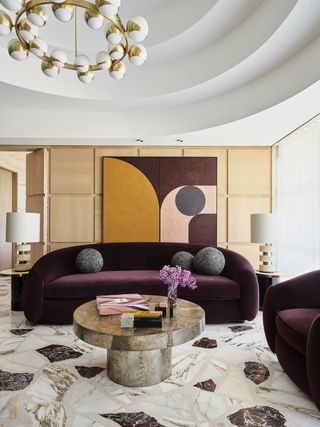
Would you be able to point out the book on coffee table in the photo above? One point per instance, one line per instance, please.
(121, 303)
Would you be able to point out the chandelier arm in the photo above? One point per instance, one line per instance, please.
(119, 25)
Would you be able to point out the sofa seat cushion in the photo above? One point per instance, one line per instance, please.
(79, 286)
(293, 326)
(211, 288)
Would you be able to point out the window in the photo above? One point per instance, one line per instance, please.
(296, 197)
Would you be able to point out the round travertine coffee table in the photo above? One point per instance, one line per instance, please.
(138, 357)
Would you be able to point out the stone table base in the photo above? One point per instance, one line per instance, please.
(138, 357)
(139, 368)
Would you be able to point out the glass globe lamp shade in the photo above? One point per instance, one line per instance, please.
(5, 24)
(38, 47)
(63, 12)
(103, 60)
(13, 5)
(37, 15)
(108, 7)
(17, 51)
(116, 52)
(49, 69)
(58, 58)
(86, 77)
(28, 31)
(93, 19)
(117, 70)
(82, 63)
(137, 54)
(113, 35)
(137, 28)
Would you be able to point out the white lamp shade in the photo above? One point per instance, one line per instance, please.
(23, 227)
(262, 228)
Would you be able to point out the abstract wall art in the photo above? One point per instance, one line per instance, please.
(152, 199)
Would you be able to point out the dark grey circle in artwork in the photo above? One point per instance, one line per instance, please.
(190, 200)
(209, 261)
(183, 259)
(89, 260)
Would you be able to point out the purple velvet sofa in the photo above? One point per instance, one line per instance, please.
(291, 317)
(54, 289)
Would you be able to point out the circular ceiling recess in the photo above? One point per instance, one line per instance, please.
(207, 66)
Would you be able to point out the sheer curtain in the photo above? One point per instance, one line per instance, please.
(296, 161)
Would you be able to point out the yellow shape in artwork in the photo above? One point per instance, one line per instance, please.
(130, 204)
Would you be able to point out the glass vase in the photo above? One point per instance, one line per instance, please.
(172, 295)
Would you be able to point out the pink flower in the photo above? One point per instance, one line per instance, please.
(176, 276)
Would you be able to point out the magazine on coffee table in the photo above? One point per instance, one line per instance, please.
(121, 303)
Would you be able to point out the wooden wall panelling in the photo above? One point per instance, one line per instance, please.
(161, 152)
(222, 245)
(38, 204)
(71, 219)
(221, 154)
(71, 170)
(239, 210)
(55, 246)
(15, 192)
(36, 172)
(37, 251)
(249, 171)
(249, 251)
(98, 219)
(6, 193)
(222, 219)
(111, 152)
(242, 171)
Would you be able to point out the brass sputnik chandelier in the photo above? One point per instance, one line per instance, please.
(32, 15)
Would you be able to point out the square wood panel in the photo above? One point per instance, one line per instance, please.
(37, 251)
(222, 219)
(239, 210)
(249, 171)
(98, 219)
(160, 152)
(221, 154)
(56, 246)
(109, 152)
(71, 219)
(250, 252)
(36, 172)
(71, 170)
(38, 204)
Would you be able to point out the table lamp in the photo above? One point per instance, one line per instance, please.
(23, 228)
(263, 232)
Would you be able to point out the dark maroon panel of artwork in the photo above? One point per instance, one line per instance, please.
(203, 229)
(180, 171)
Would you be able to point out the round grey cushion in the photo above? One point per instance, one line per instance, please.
(209, 261)
(89, 260)
(183, 259)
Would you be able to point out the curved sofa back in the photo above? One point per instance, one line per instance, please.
(128, 256)
(116, 256)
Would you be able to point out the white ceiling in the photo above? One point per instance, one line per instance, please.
(213, 64)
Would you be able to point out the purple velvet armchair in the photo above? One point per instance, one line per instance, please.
(291, 316)
(54, 289)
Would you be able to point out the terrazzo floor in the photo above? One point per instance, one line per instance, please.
(227, 377)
